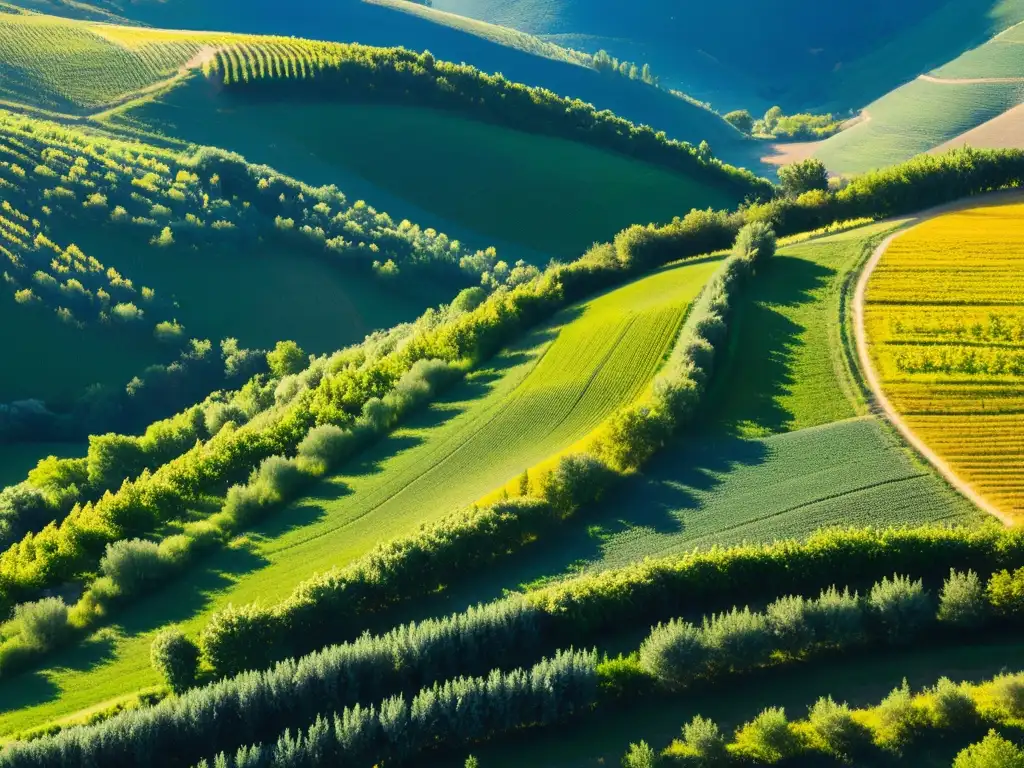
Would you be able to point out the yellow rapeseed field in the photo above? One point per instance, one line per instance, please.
(945, 319)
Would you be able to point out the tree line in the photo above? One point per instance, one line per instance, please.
(296, 696)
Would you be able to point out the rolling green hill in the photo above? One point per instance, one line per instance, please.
(535, 399)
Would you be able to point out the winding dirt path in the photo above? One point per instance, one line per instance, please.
(881, 404)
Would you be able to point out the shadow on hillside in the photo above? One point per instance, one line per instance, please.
(764, 341)
(178, 601)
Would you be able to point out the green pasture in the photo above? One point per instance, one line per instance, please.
(535, 399)
(1003, 56)
(601, 739)
(915, 118)
(548, 195)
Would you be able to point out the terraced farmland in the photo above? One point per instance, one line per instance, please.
(945, 320)
(537, 398)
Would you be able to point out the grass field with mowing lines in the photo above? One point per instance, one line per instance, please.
(536, 398)
(862, 680)
(1003, 56)
(544, 194)
(945, 319)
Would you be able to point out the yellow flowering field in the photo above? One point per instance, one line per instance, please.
(944, 316)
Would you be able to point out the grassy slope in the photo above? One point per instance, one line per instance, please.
(261, 294)
(602, 739)
(914, 119)
(479, 182)
(537, 398)
(922, 115)
(780, 453)
(822, 54)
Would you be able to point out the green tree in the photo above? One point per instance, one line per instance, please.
(286, 359)
(639, 756)
(771, 119)
(741, 120)
(805, 176)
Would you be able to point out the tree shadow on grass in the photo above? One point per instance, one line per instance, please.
(179, 600)
(757, 370)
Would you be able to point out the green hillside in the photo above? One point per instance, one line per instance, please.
(484, 183)
(536, 399)
(393, 383)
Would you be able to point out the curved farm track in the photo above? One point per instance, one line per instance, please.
(881, 403)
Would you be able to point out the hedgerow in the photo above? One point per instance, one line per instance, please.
(296, 693)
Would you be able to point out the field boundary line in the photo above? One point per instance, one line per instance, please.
(881, 404)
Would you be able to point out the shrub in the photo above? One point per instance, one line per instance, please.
(953, 707)
(175, 658)
(280, 478)
(219, 414)
(703, 743)
(836, 618)
(991, 752)
(1008, 693)
(962, 602)
(1005, 592)
(327, 445)
(768, 738)
(901, 607)
(675, 653)
(834, 725)
(43, 624)
(804, 176)
(639, 756)
(286, 358)
(789, 625)
(899, 718)
(578, 479)
(755, 242)
(737, 640)
(133, 565)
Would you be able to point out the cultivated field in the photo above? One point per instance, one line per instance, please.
(537, 398)
(946, 325)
